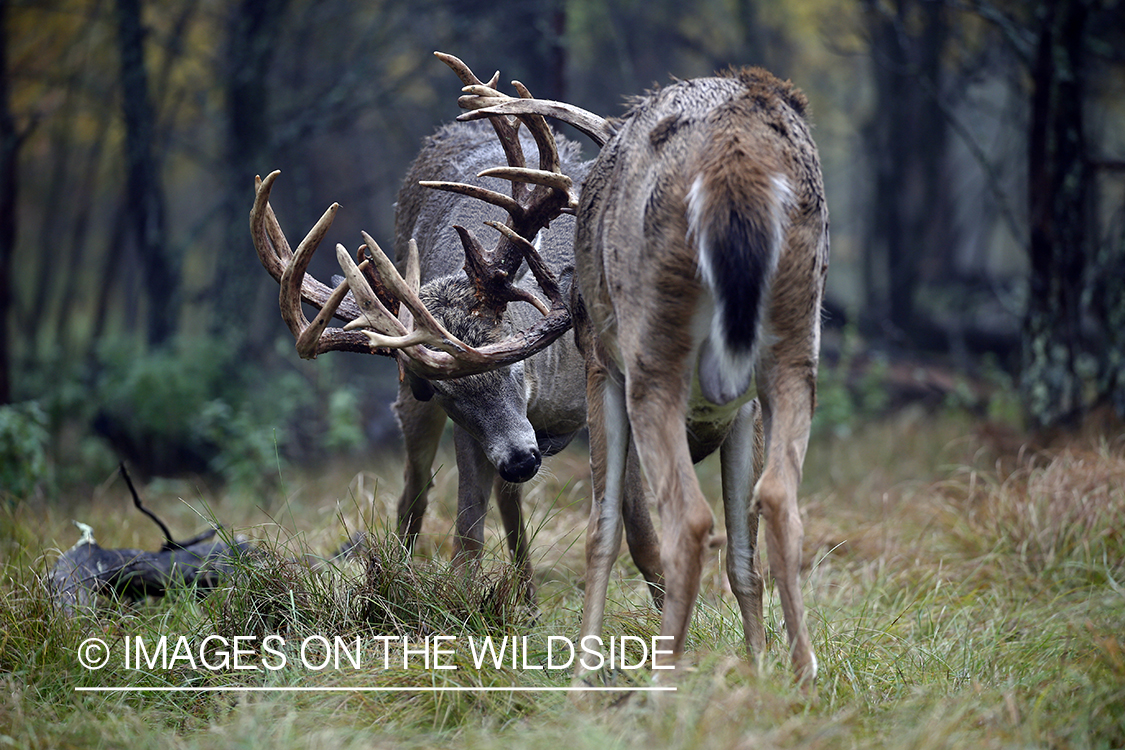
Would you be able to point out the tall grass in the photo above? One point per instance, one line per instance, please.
(960, 594)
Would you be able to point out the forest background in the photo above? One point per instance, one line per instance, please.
(965, 485)
(973, 152)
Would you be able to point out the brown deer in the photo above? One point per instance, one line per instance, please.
(508, 411)
(701, 252)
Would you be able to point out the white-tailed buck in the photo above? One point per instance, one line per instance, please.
(514, 390)
(701, 253)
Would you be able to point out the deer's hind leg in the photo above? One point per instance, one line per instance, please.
(742, 459)
(657, 405)
(788, 392)
(640, 535)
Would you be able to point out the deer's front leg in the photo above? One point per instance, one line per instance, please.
(609, 447)
(422, 423)
(475, 477)
(509, 499)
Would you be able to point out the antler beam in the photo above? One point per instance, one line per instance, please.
(413, 335)
(487, 102)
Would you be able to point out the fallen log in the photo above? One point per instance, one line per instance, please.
(88, 570)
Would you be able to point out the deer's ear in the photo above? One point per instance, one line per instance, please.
(420, 387)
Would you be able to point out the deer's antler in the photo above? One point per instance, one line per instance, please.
(289, 271)
(485, 101)
(412, 334)
(538, 195)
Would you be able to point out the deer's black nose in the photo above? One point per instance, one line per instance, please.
(521, 466)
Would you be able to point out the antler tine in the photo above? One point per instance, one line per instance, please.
(507, 129)
(275, 254)
(263, 219)
(294, 274)
(288, 269)
(413, 268)
(427, 329)
(269, 241)
(463, 71)
(511, 205)
(548, 153)
(412, 274)
(597, 128)
(555, 180)
(311, 339)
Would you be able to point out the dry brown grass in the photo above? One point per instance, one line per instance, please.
(963, 591)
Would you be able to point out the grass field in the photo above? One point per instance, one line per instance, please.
(962, 592)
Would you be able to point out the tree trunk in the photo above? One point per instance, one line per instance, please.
(907, 136)
(1108, 306)
(1058, 191)
(249, 51)
(525, 36)
(9, 149)
(143, 186)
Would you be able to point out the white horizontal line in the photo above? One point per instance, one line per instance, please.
(450, 689)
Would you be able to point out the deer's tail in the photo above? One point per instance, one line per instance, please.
(738, 216)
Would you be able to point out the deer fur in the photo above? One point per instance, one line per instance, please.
(700, 259)
(507, 420)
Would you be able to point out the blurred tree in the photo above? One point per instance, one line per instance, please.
(250, 46)
(9, 148)
(1073, 350)
(911, 205)
(1058, 201)
(61, 58)
(1108, 305)
(144, 186)
(80, 173)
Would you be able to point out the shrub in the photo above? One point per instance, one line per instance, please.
(23, 450)
(200, 406)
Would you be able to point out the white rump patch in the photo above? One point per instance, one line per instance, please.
(784, 199)
(696, 201)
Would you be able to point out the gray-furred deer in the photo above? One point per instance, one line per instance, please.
(507, 413)
(700, 254)
(506, 420)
